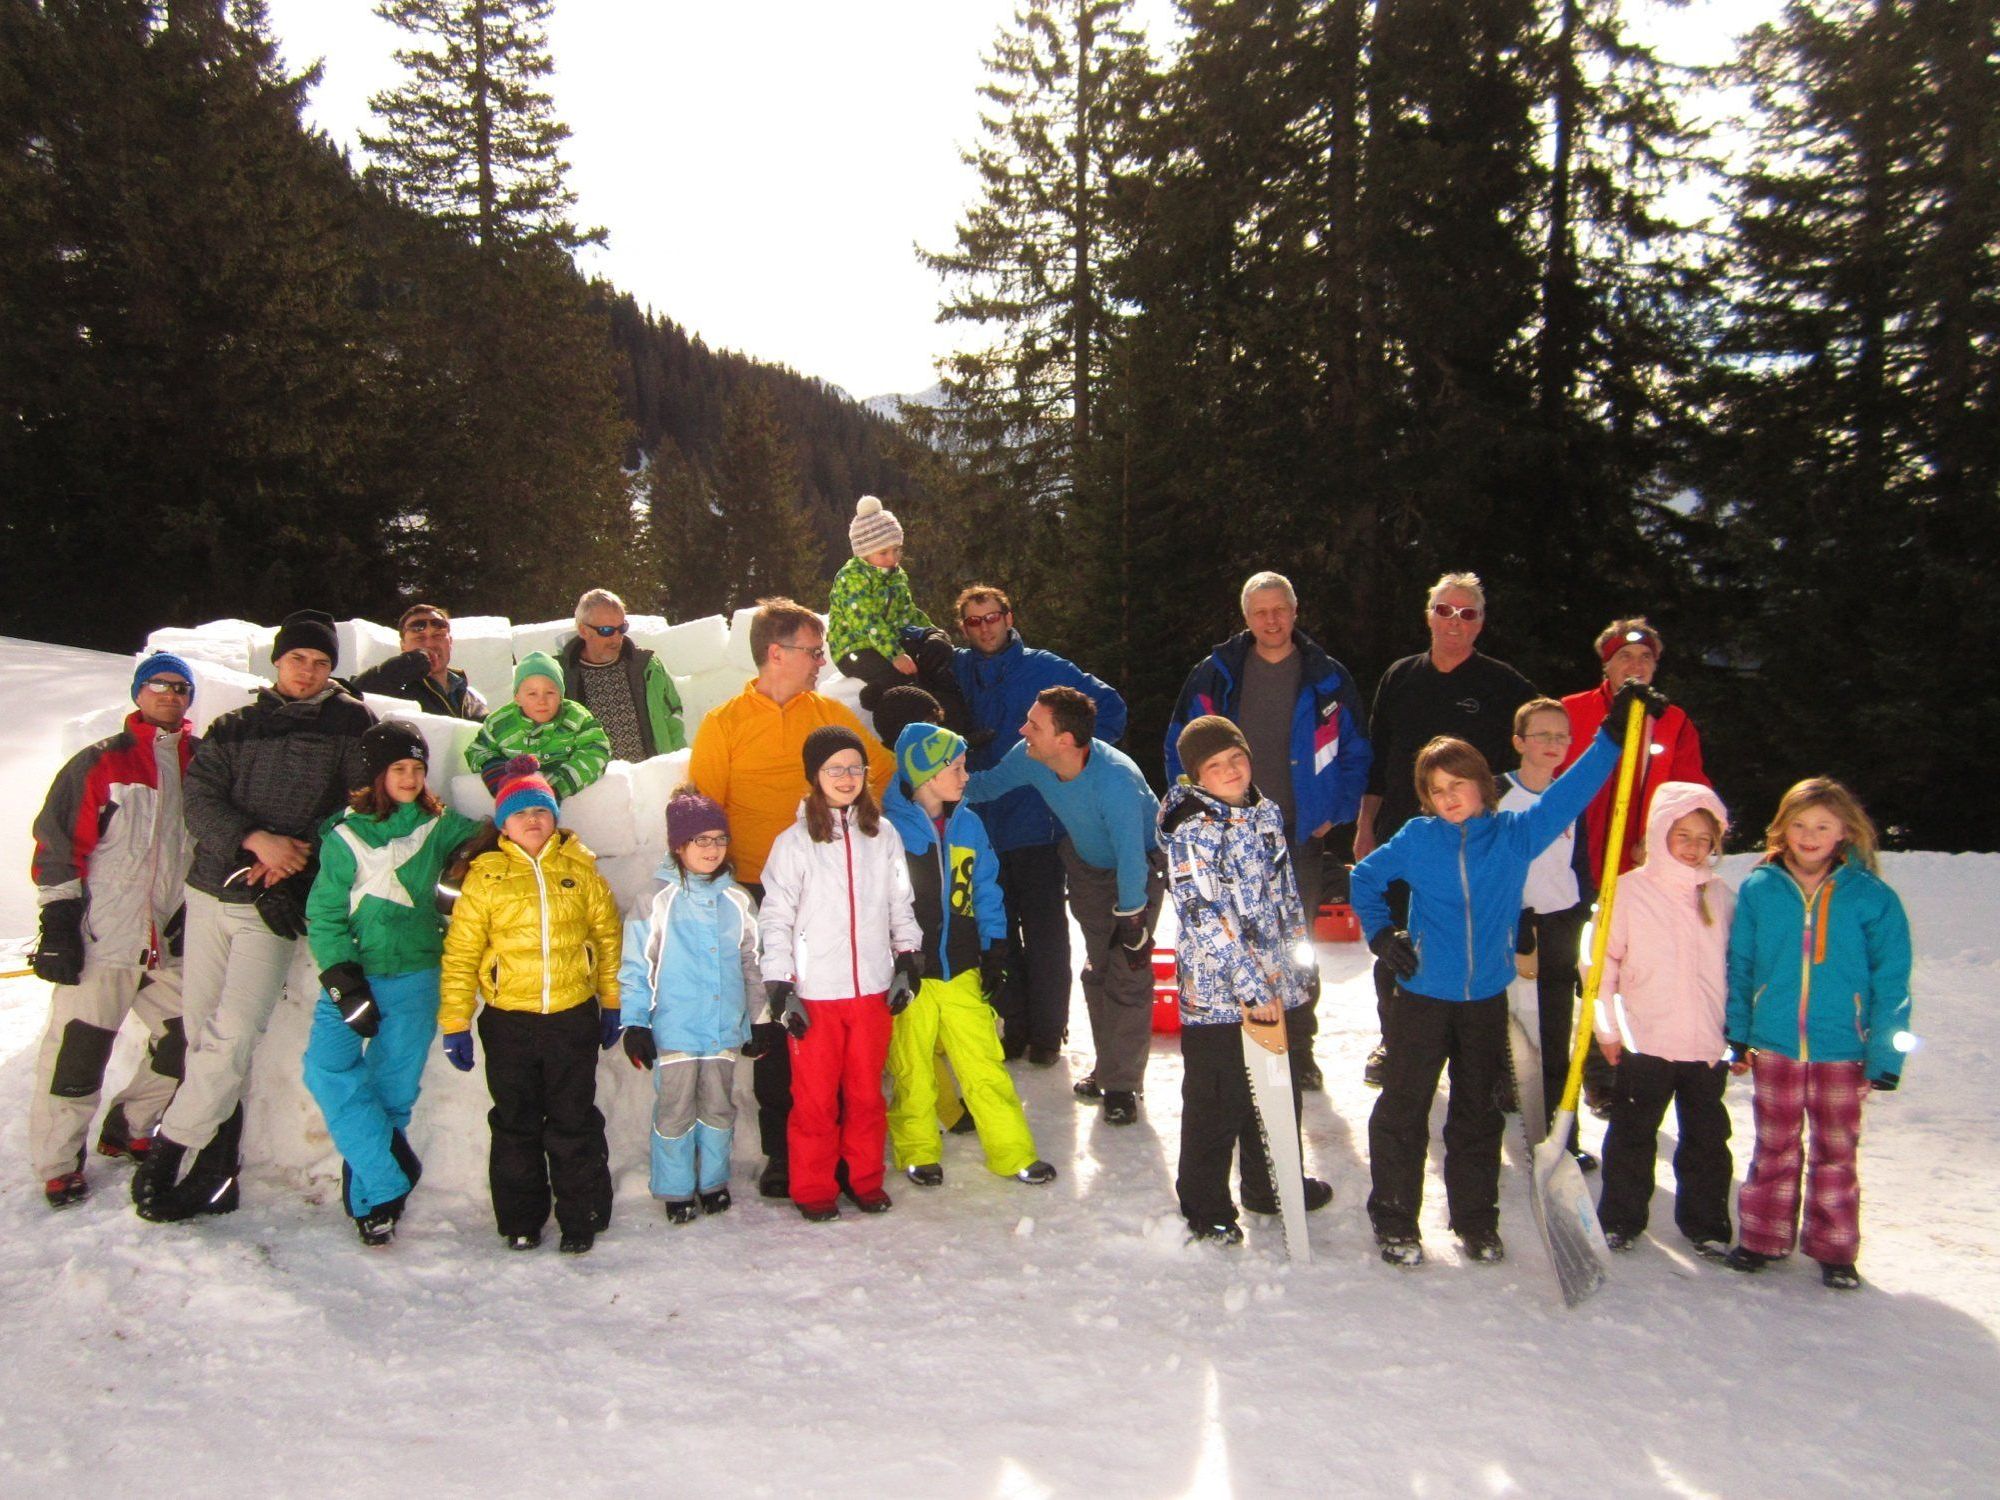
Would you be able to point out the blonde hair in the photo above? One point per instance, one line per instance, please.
(1454, 757)
(1824, 791)
(1467, 581)
(1256, 583)
(1716, 829)
(1525, 714)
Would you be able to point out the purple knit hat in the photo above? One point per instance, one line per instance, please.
(690, 815)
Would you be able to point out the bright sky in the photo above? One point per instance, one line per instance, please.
(765, 169)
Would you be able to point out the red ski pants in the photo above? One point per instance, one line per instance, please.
(1790, 1096)
(838, 1113)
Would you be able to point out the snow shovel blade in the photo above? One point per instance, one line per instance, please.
(1524, 1053)
(1271, 1092)
(1566, 1216)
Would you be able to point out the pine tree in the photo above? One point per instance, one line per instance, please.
(470, 137)
(768, 539)
(685, 536)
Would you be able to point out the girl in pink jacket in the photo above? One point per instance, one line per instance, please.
(1663, 992)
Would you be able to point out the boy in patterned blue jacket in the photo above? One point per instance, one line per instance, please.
(1242, 947)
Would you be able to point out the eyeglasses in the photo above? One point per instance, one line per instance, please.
(165, 685)
(1550, 737)
(844, 773)
(711, 841)
(817, 653)
(979, 622)
(1456, 611)
(428, 622)
(605, 632)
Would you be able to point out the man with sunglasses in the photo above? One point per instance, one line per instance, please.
(423, 674)
(749, 757)
(111, 853)
(1000, 676)
(626, 686)
(1451, 689)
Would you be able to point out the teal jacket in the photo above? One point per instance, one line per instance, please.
(374, 901)
(870, 608)
(1820, 980)
(572, 747)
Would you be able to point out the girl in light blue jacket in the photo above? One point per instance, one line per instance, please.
(688, 980)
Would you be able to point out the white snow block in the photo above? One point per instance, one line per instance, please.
(364, 644)
(601, 814)
(218, 690)
(845, 691)
(445, 738)
(630, 877)
(696, 646)
(98, 724)
(738, 651)
(548, 636)
(225, 643)
(482, 647)
(647, 631)
(468, 794)
(653, 782)
(708, 690)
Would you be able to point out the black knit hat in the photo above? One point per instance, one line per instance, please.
(826, 742)
(388, 742)
(1204, 739)
(901, 707)
(311, 629)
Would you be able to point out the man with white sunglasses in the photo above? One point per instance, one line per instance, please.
(1451, 689)
(624, 685)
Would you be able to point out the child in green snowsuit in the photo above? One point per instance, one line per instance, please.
(565, 738)
(874, 630)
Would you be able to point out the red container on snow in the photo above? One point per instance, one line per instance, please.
(1337, 923)
(1166, 993)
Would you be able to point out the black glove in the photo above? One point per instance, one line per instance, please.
(640, 1046)
(764, 1035)
(776, 993)
(786, 1007)
(283, 906)
(903, 982)
(1886, 1084)
(1393, 946)
(347, 987)
(174, 934)
(58, 956)
(1634, 690)
(914, 965)
(993, 972)
(1129, 933)
(405, 671)
(1524, 934)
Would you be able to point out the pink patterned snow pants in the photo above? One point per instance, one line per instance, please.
(1789, 1094)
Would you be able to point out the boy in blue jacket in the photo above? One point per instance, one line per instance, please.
(1465, 864)
(955, 886)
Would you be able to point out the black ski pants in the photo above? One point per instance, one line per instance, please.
(931, 650)
(1556, 937)
(1423, 1037)
(1397, 896)
(547, 1132)
(1702, 1165)
(771, 1077)
(1034, 1004)
(1219, 1118)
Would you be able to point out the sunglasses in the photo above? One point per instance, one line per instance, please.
(975, 622)
(605, 632)
(164, 685)
(711, 841)
(1456, 611)
(817, 653)
(428, 622)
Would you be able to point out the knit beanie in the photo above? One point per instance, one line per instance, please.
(690, 814)
(538, 664)
(904, 705)
(1205, 738)
(388, 742)
(157, 663)
(522, 787)
(873, 528)
(923, 750)
(826, 742)
(310, 629)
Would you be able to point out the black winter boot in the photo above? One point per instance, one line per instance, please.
(153, 1184)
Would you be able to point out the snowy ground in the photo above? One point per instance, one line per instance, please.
(985, 1339)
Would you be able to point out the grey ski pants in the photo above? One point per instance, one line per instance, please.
(1118, 997)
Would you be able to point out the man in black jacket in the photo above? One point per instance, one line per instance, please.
(423, 674)
(263, 781)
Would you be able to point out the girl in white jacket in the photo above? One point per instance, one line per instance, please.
(1664, 984)
(842, 953)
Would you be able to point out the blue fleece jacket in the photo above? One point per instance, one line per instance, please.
(1821, 980)
(1108, 811)
(1465, 882)
(1000, 689)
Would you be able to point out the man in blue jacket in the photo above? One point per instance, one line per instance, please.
(1000, 676)
(1302, 715)
(1117, 878)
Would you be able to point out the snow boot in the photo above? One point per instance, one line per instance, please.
(716, 1202)
(1035, 1173)
(925, 1173)
(377, 1228)
(1121, 1107)
(577, 1241)
(964, 1124)
(683, 1211)
(1043, 1057)
(66, 1190)
(874, 1201)
(1371, 1071)
(1585, 1162)
(1747, 1261)
(153, 1184)
(115, 1139)
(1484, 1248)
(1404, 1250)
(1711, 1249)
(1839, 1276)
(1617, 1239)
(1318, 1194)
(819, 1213)
(529, 1241)
(1086, 1089)
(775, 1181)
(1226, 1235)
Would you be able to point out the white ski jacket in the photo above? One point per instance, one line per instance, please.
(835, 915)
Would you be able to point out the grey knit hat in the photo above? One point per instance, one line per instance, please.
(1204, 739)
(873, 528)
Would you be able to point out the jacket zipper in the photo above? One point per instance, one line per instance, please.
(853, 919)
(1465, 888)
(542, 892)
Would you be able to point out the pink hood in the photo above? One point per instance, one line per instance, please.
(1672, 801)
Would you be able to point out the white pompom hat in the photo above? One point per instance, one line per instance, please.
(873, 528)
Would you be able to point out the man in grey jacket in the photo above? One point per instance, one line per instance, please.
(263, 781)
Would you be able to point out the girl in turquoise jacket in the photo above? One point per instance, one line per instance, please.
(1819, 1011)
(376, 934)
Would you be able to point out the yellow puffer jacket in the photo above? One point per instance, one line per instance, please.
(528, 934)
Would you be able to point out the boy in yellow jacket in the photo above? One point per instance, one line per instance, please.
(535, 935)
